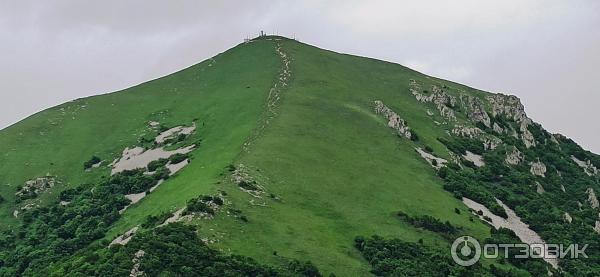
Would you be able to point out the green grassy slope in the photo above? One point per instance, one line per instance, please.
(338, 168)
(224, 94)
(335, 166)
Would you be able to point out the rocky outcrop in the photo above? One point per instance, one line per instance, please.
(491, 143)
(514, 157)
(137, 260)
(592, 199)
(476, 110)
(538, 168)
(497, 128)
(587, 166)
(597, 227)
(246, 182)
(455, 158)
(526, 135)
(394, 120)
(442, 100)
(567, 217)
(477, 160)
(434, 161)
(464, 131)
(36, 186)
(511, 107)
(507, 105)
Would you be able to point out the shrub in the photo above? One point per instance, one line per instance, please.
(304, 268)
(161, 173)
(131, 181)
(199, 204)
(177, 158)
(248, 185)
(428, 222)
(154, 165)
(92, 161)
(154, 220)
(443, 172)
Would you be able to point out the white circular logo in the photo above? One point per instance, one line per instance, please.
(465, 246)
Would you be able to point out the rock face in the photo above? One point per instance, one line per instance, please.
(394, 120)
(434, 161)
(592, 199)
(463, 131)
(508, 105)
(514, 157)
(538, 168)
(587, 166)
(511, 107)
(476, 110)
(442, 100)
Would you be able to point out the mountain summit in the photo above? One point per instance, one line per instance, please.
(277, 158)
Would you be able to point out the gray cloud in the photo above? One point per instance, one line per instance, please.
(547, 52)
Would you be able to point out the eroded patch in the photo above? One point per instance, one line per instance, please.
(514, 223)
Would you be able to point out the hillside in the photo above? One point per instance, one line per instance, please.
(293, 156)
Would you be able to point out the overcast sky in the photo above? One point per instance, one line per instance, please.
(546, 52)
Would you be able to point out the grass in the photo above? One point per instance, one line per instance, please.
(225, 94)
(337, 168)
(340, 171)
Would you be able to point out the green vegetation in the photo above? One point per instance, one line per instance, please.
(202, 204)
(177, 158)
(154, 165)
(430, 223)
(322, 168)
(54, 232)
(92, 161)
(400, 258)
(173, 250)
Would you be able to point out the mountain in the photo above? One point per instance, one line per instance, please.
(277, 158)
